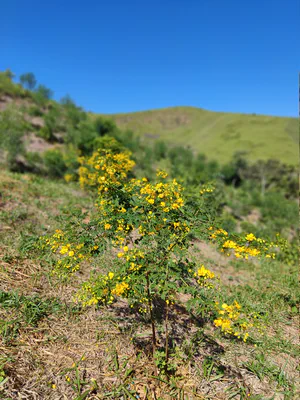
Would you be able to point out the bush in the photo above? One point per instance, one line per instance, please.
(55, 163)
(104, 126)
(35, 162)
(8, 87)
(82, 137)
(149, 268)
(12, 129)
(73, 114)
(35, 111)
(42, 95)
(160, 150)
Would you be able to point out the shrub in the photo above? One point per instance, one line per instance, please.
(42, 95)
(8, 87)
(150, 225)
(35, 162)
(35, 111)
(160, 150)
(12, 129)
(104, 126)
(55, 163)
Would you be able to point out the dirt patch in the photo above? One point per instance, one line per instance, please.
(36, 122)
(5, 101)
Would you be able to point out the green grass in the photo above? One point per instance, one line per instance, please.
(218, 135)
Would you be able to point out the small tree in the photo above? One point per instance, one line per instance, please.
(28, 80)
(104, 126)
(43, 93)
(67, 101)
(9, 74)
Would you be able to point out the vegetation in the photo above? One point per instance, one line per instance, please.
(119, 280)
(216, 134)
(28, 80)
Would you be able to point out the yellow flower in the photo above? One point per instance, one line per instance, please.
(64, 249)
(120, 288)
(125, 249)
(107, 226)
(111, 275)
(250, 237)
(68, 177)
(71, 253)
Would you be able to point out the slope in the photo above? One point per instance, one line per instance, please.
(218, 135)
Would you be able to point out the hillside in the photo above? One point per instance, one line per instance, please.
(218, 135)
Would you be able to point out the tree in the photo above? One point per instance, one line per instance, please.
(67, 101)
(104, 126)
(28, 80)
(44, 92)
(9, 74)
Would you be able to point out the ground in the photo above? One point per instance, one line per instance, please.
(51, 348)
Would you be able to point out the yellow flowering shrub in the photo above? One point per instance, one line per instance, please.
(149, 226)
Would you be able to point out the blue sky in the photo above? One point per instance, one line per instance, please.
(126, 55)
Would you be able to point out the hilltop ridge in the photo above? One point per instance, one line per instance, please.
(218, 135)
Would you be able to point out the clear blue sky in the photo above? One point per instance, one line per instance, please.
(126, 55)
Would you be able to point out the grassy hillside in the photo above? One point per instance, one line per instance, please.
(216, 134)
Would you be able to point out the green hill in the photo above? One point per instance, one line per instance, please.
(217, 134)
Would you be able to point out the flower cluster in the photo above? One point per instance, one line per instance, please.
(217, 233)
(102, 289)
(204, 277)
(104, 169)
(69, 177)
(251, 246)
(133, 258)
(206, 189)
(120, 289)
(243, 247)
(71, 255)
(230, 321)
(166, 196)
